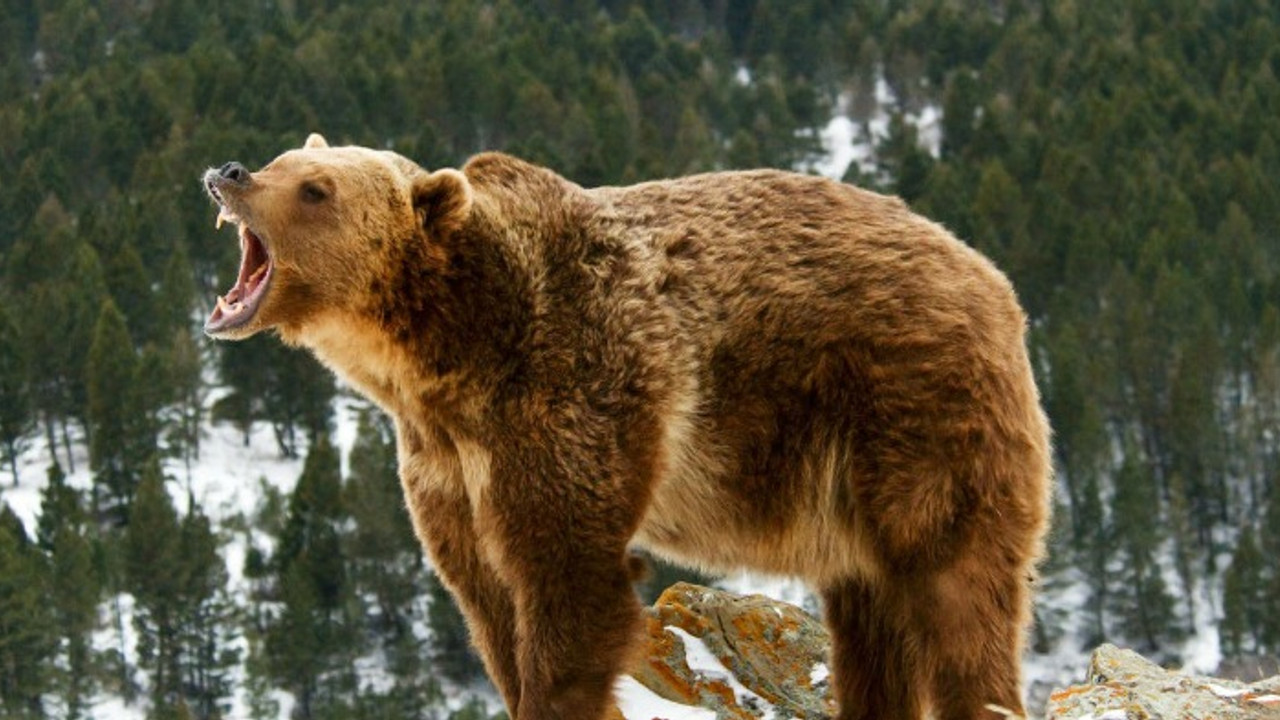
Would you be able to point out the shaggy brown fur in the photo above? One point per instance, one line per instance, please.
(736, 370)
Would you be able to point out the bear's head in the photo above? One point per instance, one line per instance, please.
(315, 228)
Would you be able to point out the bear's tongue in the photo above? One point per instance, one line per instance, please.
(241, 301)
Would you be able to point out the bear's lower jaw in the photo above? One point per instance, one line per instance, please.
(233, 311)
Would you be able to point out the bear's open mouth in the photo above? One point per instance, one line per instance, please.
(241, 302)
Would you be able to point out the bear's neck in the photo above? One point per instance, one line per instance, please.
(440, 336)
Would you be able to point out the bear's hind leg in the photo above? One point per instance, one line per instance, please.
(873, 671)
(970, 623)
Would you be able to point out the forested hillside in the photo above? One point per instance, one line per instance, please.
(1117, 159)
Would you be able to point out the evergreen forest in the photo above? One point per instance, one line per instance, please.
(1112, 157)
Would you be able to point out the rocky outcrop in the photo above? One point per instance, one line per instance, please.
(1122, 685)
(741, 657)
(714, 655)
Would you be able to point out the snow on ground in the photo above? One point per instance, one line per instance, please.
(1202, 652)
(638, 702)
(1064, 605)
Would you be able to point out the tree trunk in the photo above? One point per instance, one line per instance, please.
(66, 445)
(51, 439)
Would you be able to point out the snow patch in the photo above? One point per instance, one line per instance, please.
(638, 702)
(928, 125)
(845, 143)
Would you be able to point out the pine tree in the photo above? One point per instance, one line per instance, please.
(187, 383)
(205, 619)
(76, 585)
(1184, 546)
(151, 391)
(298, 396)
(1193, 426)
(28, 638)
(902, 161)
(257, 683)
(959, 112)
(177, 293)
(183, 616)
(114, 440)
(386, 568)
(1143, 606)
(46, 324)
(1000, 216)
(1263, 415)
(153, 565)
(240, 371)
(1269, 544)
(1081, 438)
(1244, 600)
(86, 292)
(309, 645)
(1095, 551)
(16, 419)
(61, 506)
(131, 290)
(384, 555)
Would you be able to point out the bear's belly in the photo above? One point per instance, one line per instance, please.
(695, 520)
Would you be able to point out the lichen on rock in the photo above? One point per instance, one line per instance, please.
(743, 657)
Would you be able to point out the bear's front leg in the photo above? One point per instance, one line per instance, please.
(561, 527)
(444, 523)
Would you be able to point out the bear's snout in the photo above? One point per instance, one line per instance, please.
(230, 175)
(235, 172)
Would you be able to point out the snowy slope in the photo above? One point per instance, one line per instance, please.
(227, 482)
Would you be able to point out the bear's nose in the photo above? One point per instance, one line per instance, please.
(235, 172)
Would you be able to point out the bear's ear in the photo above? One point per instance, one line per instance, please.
(315, 140)
(442, 200)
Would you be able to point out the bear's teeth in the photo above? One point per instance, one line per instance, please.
(229, 308)
(223, 216)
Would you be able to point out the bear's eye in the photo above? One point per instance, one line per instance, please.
(313, 193)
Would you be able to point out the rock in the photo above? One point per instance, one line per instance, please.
(711, 654)
(741, 657)
(1123, 685)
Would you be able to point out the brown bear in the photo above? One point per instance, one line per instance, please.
(757, 370)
